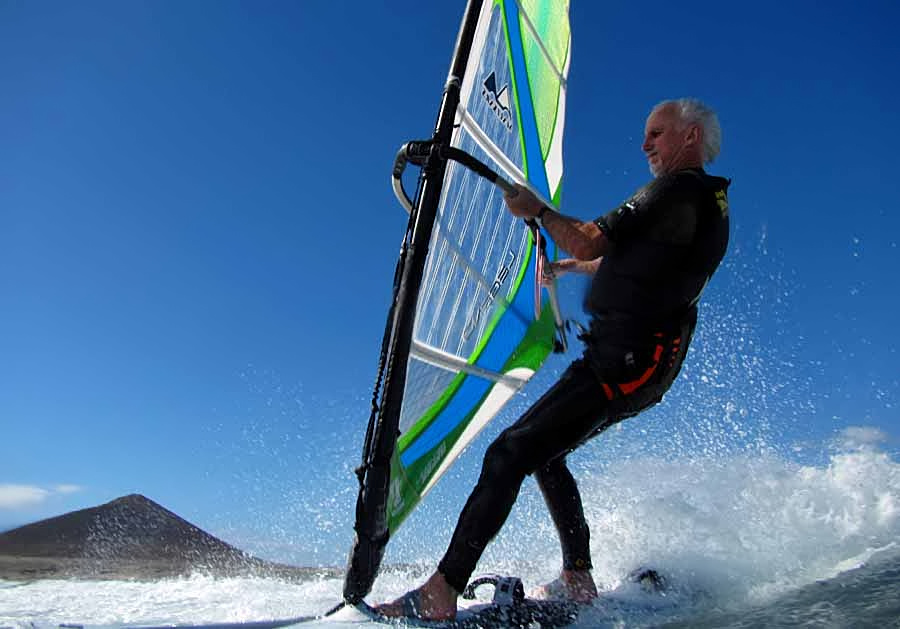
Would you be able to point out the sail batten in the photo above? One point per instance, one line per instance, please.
(439, 358)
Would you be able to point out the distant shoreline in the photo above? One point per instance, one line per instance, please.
(21, 568)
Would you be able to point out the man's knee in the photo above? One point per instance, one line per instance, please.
(552, 475)
(504, 458)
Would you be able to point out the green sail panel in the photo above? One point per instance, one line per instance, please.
(545, 42)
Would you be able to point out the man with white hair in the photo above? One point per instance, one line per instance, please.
(650, 259)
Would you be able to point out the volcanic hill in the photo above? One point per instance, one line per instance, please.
(129, 538)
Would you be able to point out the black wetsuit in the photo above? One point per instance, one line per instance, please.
(664, 244)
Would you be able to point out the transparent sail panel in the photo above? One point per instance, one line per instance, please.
(475, 338)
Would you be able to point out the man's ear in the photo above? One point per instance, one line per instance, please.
(694, 135)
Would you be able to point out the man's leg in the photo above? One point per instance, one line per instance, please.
(567, 414)
(564, 416)
(563, 500)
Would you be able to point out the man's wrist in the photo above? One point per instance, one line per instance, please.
(542, 212)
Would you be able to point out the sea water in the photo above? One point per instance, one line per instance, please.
(741, 540)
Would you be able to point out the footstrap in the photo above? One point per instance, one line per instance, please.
(507, 590)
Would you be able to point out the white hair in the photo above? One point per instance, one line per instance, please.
(694, 111)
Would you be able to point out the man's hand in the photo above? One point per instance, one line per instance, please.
(549, 275)
(524, 204)
(557, 269)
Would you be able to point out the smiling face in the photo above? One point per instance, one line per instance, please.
(669, 143)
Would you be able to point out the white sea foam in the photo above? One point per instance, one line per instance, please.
(739, 529)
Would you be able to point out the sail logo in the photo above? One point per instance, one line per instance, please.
(497, 101)
(430, 467)
(499, 280)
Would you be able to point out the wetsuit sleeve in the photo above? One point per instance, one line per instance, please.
(640, 209)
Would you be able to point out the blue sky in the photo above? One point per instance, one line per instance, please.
(198, 235)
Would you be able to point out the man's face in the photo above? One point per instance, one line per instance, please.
(665, 141)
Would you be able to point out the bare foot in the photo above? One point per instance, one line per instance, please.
(435, 600)
(573, 585)
(581, 585)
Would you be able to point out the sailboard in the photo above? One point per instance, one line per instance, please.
(469, 322)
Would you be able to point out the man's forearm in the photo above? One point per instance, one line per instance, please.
(584, 241)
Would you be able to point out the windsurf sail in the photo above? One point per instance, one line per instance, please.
(469, 323)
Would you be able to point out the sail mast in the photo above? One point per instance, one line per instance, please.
(371, 511)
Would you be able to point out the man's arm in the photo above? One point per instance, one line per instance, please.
(570, 265)
(583, 240)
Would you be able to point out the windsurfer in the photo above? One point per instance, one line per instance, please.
(650, 259)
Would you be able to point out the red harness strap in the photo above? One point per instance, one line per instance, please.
(627, 388)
